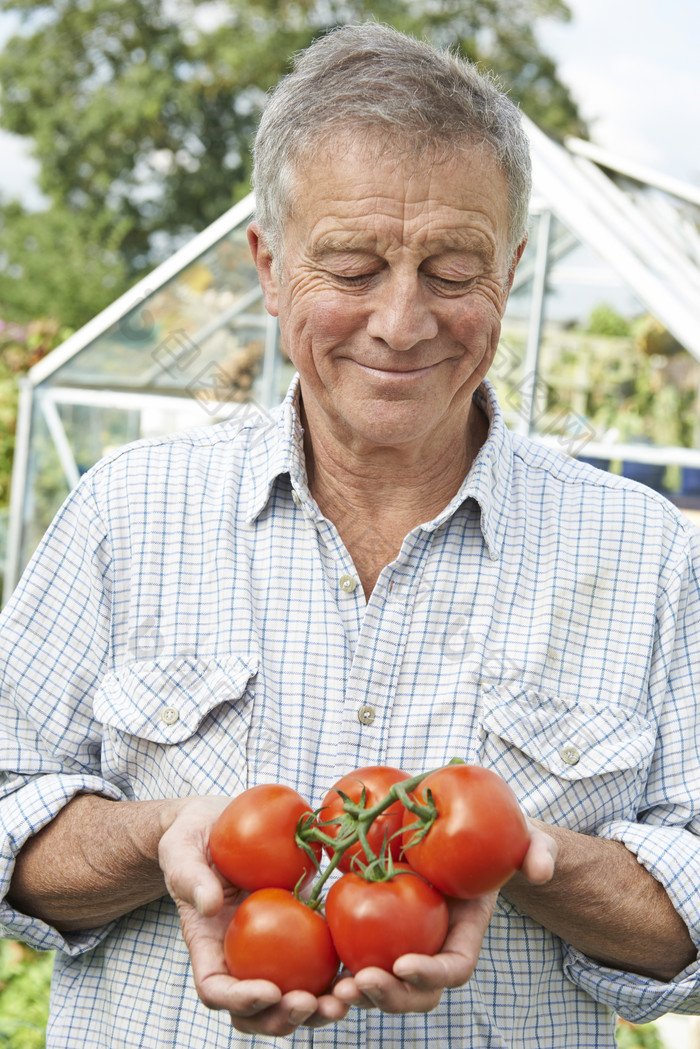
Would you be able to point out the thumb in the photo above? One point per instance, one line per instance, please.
(540, 859)
(184, 859)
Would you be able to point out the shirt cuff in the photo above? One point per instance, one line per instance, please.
(638, 999)
(672, 856)
(22, 814)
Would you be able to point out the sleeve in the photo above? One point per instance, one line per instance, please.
(665, 837)
(54, 647)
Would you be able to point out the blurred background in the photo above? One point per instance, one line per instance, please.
(125, 128)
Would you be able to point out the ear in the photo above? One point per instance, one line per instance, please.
(517, 255)
(262, 257)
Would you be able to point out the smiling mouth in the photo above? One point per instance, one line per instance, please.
(396, 373)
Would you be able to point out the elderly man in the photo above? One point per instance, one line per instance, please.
(380, 574)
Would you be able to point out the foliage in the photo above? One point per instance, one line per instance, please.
(58, 263)
(604, 320)
(608, 382)
(638, 1036)
(141, 114)
(20, 348)
(25, 977)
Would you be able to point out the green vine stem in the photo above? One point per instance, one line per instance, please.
(358, 818)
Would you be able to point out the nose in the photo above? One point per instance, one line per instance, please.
(400, 315)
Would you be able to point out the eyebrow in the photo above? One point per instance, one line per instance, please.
(329, 247)
(332, 246)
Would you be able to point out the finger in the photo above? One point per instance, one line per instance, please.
(279, 1019)
(454, 965)
(242, 998)
(184, 860)
(207, 892)
(329, 1010)
(196, 884)
(347, 991)
(378, 989)
(393, 995)
(540, 859)
(216, 987)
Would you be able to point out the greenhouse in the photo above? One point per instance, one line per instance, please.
(600, 354)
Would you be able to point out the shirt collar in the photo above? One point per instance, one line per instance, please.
(278, 449)
(489, 479)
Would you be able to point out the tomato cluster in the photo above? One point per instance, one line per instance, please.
(402, 844)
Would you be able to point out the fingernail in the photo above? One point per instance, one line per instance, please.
(375, 994)
(199, 896)
(412, 978)
(297, 1016)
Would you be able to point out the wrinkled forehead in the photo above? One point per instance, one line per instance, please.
(423, 152)
(360, 188)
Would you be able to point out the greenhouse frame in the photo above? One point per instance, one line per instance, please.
(191, 343)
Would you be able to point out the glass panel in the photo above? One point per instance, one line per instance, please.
(46, 485)
(94, 431)
(607, 370)
(201, 334)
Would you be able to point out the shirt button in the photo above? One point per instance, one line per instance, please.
(347, 583)
(295, 497)
(365, 714)
(570, 754)
(169, 715)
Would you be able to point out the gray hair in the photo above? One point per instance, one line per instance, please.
(371, 78)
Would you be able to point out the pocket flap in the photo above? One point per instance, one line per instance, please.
(166, 700)
(570, 738)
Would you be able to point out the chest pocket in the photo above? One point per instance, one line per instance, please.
(177, 726)
(569, 762)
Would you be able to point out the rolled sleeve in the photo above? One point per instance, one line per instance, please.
(664, 836)
(54, 645)
(672, 856)
(638, 999)
(22, 814)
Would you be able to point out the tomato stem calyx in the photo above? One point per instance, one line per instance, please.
(354, 824)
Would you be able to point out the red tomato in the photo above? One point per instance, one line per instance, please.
(479, 837)
(374, 923)
(377, 780)
(252, 842)
(274, 936)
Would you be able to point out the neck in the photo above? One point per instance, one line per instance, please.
(376, 496)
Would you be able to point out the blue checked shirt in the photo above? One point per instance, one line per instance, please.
(192, 624)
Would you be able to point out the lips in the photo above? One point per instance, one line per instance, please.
(397, 373)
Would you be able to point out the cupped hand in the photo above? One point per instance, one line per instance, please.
(206, 903)
(418, 981)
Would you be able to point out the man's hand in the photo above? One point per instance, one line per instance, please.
(418, 980)
(206, 903)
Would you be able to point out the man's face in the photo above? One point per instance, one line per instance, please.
(395, 278)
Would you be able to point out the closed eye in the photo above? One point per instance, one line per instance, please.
(453, 287)
(354, 280)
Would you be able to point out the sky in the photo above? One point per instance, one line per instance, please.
(632, 65)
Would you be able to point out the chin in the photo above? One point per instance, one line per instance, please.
(387, 425)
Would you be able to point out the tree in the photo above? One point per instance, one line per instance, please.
(53, 262)
(142, 111)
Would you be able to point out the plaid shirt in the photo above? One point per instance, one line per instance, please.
(192, 624)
